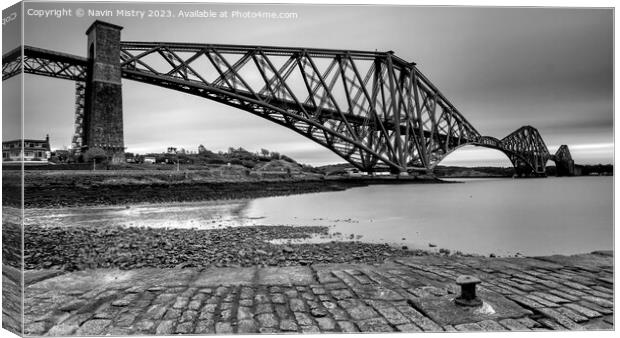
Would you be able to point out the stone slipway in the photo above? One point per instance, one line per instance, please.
(409, 294)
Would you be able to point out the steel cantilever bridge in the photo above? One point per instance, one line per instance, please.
(374, 109)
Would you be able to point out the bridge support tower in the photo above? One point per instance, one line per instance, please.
(103, 108)
(564, 164)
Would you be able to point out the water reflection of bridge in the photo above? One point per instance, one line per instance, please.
(373, 109)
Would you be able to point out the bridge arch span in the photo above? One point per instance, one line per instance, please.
(524, 147)
(357, 153)
(521, 168)
(520, 163)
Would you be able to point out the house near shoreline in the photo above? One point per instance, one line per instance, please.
(26, 150)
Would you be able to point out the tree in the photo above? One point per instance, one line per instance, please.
(95, 154)
(202, 149)
(264, 152)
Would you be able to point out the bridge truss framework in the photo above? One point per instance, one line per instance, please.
(373, 109)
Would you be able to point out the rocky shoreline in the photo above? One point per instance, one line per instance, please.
(80, 248)
(59, 189)
(65, 196)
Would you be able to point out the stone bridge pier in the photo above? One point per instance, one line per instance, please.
(103, 110)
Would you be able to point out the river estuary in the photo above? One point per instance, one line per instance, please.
(481, 216)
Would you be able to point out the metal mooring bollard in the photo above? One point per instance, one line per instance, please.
(468, 291)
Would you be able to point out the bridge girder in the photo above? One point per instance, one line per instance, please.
(373, 109)
(43, 62)
(526, 150)
(564, 164)
(562, 154)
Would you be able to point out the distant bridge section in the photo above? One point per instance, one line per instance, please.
(373, 109)
(564, 164)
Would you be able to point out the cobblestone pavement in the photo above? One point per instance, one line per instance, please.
(409, 294)
(11, 299)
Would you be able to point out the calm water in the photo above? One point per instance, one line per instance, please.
(500, 216)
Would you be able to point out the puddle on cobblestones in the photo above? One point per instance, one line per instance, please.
(484, 309)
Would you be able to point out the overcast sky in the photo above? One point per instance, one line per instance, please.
(503, 68)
